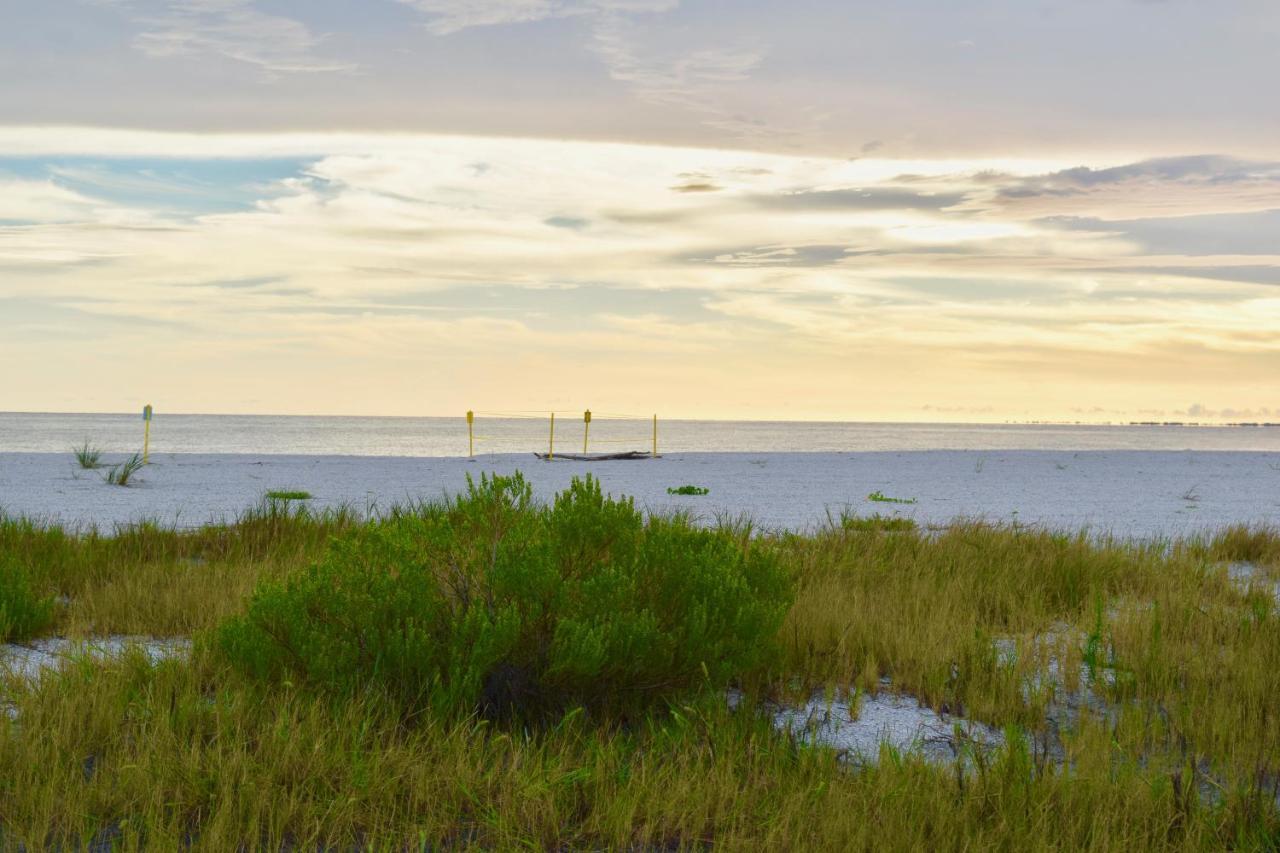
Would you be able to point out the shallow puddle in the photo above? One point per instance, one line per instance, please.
(1248, 575)
(859, 725)
(30, 660)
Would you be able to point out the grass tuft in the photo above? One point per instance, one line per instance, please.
(688, 490)
(88, 456)
(288, 495)
(122, 474)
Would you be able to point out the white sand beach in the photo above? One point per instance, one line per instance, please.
(1128, 493)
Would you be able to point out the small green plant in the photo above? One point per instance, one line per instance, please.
(688, 490)
(880, 497)
(497, 603)
(122, 474)
(23, 612)
(88, 456)
(288, 495)
(877, 522)
(1093, 644)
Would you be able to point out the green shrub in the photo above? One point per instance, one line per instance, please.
(688, 490)
(496, 602)
(23, 612)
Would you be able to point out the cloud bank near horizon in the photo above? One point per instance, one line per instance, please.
(428, 274)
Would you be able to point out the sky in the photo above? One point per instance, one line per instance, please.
(923, 210)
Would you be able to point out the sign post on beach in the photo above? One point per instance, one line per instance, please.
(471, 435)
(655, 436)
(146, 433)
(586, 429)
(551, 445)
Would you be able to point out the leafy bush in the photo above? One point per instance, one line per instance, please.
(23, 612)
(493, 601)
(688, 490)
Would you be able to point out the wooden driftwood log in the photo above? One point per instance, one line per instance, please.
(595, 457)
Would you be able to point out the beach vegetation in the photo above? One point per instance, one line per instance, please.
(880, 497)
(24, 611)
(288, 495)
(688, 490)
(1134, 682)
(877, 523)
(122, 474)
(495, 602)
(87, 456)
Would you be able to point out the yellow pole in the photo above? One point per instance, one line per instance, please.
(146, 433)
(471, 434)
(586, 429)
(551, 447)
(655, 436)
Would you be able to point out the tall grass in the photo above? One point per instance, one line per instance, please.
(162, 757)
(24, 612)
(1173, 744)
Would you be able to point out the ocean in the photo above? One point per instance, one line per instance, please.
(447, 437)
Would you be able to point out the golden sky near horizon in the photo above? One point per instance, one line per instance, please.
(714, 252)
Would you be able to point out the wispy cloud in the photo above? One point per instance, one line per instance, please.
(451, 16)
(234, 29)
(646, 62)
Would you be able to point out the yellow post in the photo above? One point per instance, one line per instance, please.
(146, 433)
(586, 429)
(551, 447)
(655, 436)
(471, 434)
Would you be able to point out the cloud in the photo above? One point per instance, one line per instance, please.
(41, 201)
(233, 29)
(690, 79)
(1255, 233)
(451, 16)
(1166, 187)
(870, 198)
(1199, 410)
(651, 65)
(817, 265)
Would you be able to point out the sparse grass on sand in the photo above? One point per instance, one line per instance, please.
(87, 456)
(979, 619)
(288, 495)
(122, 474)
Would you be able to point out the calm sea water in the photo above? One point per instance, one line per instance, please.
(373, 436)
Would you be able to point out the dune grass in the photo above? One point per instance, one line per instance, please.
(288, 495)
(87, 456)
(122, 473)
(1002, 624)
